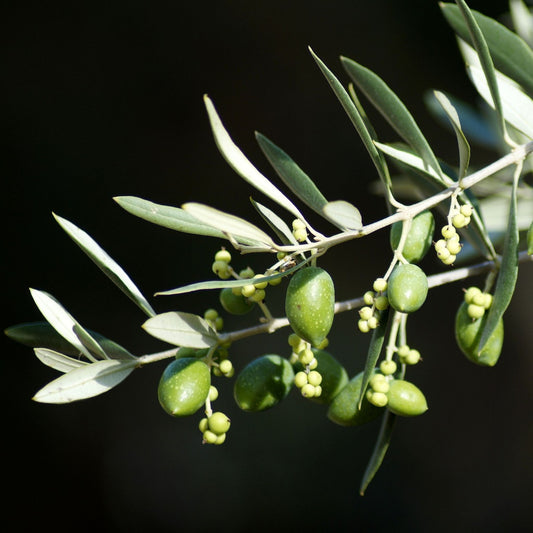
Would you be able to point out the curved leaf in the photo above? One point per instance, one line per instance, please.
(392, 109)
(109, 267)
(181, 329)
(343, 214)
(276, 223)
(85, 382)
(57, 360)
(511, 55)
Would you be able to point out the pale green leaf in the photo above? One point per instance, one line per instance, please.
(462, 143)
(181, 329)
(60, 319)
(58, 361)
(511, 55)
(508, 274)
(277, 224)
(343, 214)
(234, 226)
(522, 20)
(393, 110)
(173, 218)
(110, 268)
(240, 163)
(358, 120)
(291, 174)
(85, 382)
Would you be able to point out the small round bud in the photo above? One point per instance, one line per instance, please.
(373, 322)
(210, 437)
(281, 255)
(403, 350)
(306, 356)
(246, 273)
(379, 383)
(380, 285)
(219, 323)
(318, 391)
(475, 311)
(221, 269)
(488, 300)
(248, 290)
(440, 245)
(300, 379)
(443, 254)
(203, 426)
(323, 345)
(412, 357)
(220, 439)
(450, 260)
(211, 315)
(213, 393)
(223, 255)
(258, 296)
(308, 391)
(300, 235)
(314, 377)
(298, 224)
(388, 367)
(470, 293)
(313, 364)
(294, 341)
(466, 210)
(448, 231)
(379, 399)
(454, 247)
(225, 366)
(381, 303)
(219, 423)
(262, 284)
(363, 326)
(365, 312)
(459, 221)
(368, 297)
(479, 299)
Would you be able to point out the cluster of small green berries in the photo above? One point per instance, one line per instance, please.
(449, 246)
(408, 356)
(225, 366)
(378, 386)
(309, 379)
(478, 302)
(299, 230)
(214, 319)
(221, 265)
(214, 428)
(376, 301)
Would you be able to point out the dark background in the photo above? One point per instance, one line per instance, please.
(105, 99)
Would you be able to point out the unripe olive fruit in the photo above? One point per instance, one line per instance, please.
(233, 303)
(406, 399)
(334, 375)
(218, 423)
(343, 409)
(263, 383)
(184, 386)
(310, 304)
(419, 237)
(468, 333)
(408, 288)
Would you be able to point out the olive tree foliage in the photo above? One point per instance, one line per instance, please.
(488, 230)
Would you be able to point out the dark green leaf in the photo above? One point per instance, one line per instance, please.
(380, 449)
(508, 274)
(392, 109)
(374, 351)
(277, 224)
(511, 55)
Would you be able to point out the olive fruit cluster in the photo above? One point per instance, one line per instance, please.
(449, 246)
(299, 230)
(460, 216)
(214, 428)
(376, 392)
(408, 288)
(470, 322)
(419, 237)
(376, 301)
(214, 319)
(308, 381)
(408, 356)
(310, 304)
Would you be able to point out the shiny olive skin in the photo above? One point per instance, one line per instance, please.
(419, 237)
(407, 289)
(263, 383)
(310, 304)
(468, 334)
(235, 304)
(405, 399)
(334, 376)
(184, 386)
(343, 409)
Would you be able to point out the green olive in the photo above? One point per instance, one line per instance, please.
(235, 304)
(184, 386)
(419, 237)
(310, 304)
(343, 409)
(334, 376)
(468, 334)
(263, 383)
(408, 288)
(406, 399)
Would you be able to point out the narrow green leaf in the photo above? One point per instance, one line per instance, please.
(511, 55)
(60, 319)
(181, 329)
(522, 20)
(455, 120)
(357, 120)
(110, 268)
(57, 360)
(277, 224)
(374, 351)
(291, 174)
(230, 224)
(530, 240)
(91, 344)
(343, 214)
(380, 449)
(85, 382)
(222, 284)
(43, 335)
(239, 162)
(485, 60)
(392, 109)
(506, 282)
(173, 218)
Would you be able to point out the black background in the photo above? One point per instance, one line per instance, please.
(105, 99)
